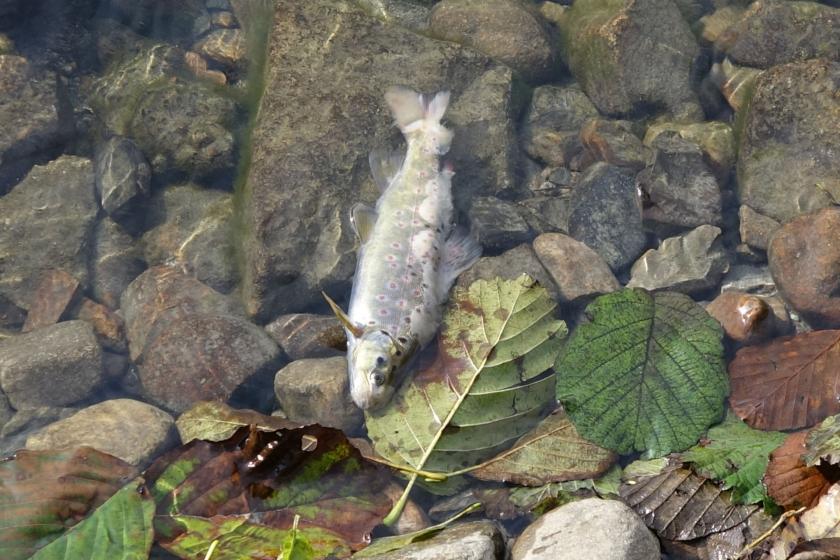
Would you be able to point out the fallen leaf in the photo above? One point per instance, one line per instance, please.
(823, 443)
(43, 493)
(119, 528)
(551, 452)
(216, 421)
(680, 505)
(251, 486)
(646, 373)
(790, 383)
(790, 482)
(817, 529)
(737, 455)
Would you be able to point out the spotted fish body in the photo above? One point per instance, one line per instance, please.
(410, 254)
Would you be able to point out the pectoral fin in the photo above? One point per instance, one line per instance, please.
(362, 218)
(352, 328)
(460, 251)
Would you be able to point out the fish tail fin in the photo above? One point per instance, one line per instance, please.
(414, 115)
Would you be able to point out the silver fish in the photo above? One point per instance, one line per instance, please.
(411, 252)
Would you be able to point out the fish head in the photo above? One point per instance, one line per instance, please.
(375, 357)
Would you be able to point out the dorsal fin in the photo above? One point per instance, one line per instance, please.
(384, 166)
(362, 218)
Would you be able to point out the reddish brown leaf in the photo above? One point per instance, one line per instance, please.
(790, 383)
(790, 482)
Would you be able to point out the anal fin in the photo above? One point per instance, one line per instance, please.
(460, 251)
(362, 218)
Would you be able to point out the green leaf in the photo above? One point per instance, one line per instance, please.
(485, 389)
(119, 528)
(42, 493)
(646, 373)
(737, 455)
(216, 421)
(823, 443)
(551, 452)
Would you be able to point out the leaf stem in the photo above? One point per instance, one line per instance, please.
(398, 508)
(786, 515)
(212, 549)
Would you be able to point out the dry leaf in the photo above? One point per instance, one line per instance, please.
(790, 482)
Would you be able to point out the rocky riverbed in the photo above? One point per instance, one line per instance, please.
(175, 185)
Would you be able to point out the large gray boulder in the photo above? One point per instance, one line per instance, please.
(322, 112)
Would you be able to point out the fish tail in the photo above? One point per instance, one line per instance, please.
(416, 116)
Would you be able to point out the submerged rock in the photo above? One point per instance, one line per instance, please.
(48, 220)
(11, 316)
(688, 263)
(498, 224)
(223, 46)
(787, 160)
(24, 422)
(476, 540)
(756, 229)
(551, 132)
(508, 266)
(123, 178)
(735, 83)
(56, 293)
(716, 140)
(114, 263)
(130, 430)
(748, 318)
(613, 141)
(578, 271)
(304, 335)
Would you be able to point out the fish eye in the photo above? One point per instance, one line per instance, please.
(380, 361)
(378, 379)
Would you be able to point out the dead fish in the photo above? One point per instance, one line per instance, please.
(410, 255)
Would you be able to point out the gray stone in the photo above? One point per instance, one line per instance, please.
(123, 177)
(590, 528)
(192, 228)
(787, 160)
(716, 139)
(48, 220)
(11, 316)
(130, 430)
(551, 132)
(772, 33)
(405, 13)
(688, 263)
(303, 335)
(498, 224)
(756, 229)
(115, 262)
(748, 278)
(509, 31)
(606, 214)
(317, 391)
(13, 435)
(546, 213)
(735, 83)
(632, 55)
(322, 113)
(680, 189)
(509, 266)
(6, 410)
(614, 142)
(578, 271)
(476, 540)
(53, 366)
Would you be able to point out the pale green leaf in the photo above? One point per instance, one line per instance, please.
(646, 373)
(823, 443)
(216, 421)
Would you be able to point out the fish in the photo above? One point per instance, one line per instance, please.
(411, 252)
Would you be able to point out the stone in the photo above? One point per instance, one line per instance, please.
(578, 271)
(48, 220)
(613, 141)
(56, 293)
(749, 278)
(223, 46)
(114, 365)
(498, 224)
(322, 113)
(551, 132)
(114, 263)
(509, 31)
(166, 20)
(787, 160)
(192, 228)
(748, 318)
(11, 316)
(804, 258)
(545, 214)
(412, 519)
(304, 335)
(108, 327)
(317, 391)
(475, 540)
(680, 190)
(772, 33)
(198, 66)
(689, 263)
(715, 139)
(29, 116)
(165, 293)
(130, 430)
(508, 266)
(123, 178)
(53, 366)
(606, 214)
(756, 229)
(13, 435)
(735, 83)
(609, 48)
(6, 411)
(711, 26)
(604, 529)
(224, 19)
(405, 13)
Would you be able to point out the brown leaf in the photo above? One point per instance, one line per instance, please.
(790, 482)
(790, 383)
(681, 506)
(818, 530)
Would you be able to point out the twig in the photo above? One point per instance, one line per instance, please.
(212, 549)
(784, 517)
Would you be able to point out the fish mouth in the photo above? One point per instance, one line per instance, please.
(368, 400)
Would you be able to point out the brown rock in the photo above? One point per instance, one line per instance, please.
(225, 46)
(304, 335)
(577, 270)
(756, 229)
(748, 318)
(804, 257)
(108, 327)
(509, 266)
(53, 297)
(614, 142)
